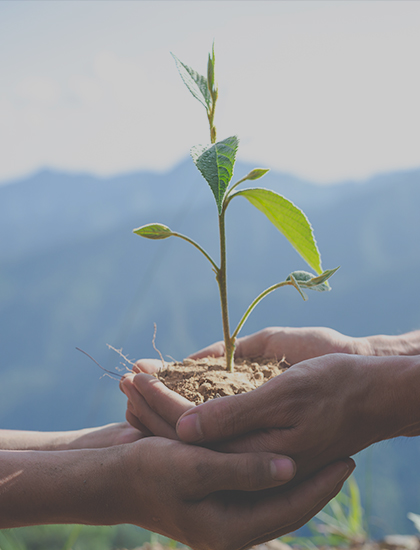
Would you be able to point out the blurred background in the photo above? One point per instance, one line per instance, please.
(95, 130)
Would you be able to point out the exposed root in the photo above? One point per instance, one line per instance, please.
(154, 345)
(108, 372)
(120, 353)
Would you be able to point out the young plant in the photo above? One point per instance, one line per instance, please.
(216, 162)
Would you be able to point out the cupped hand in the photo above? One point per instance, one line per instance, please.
(295, 344)
(153, 408)
(317, 411)
(156, 410)
(219, 501)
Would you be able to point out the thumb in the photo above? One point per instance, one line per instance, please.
(227, 417)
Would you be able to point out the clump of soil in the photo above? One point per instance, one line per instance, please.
(203, 379)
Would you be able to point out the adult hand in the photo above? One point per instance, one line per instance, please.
(295, 344)
(210, 501)
(156, 411)
(204, 499)
(300, 344)
(316, 412)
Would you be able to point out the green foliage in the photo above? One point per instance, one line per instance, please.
(196, 83)
(303, 279)
(341, 523)
(256, 174)
(153, 231)
(73, 537)
(289, 220)
(216, 163)
(343, 518)
(211, 81)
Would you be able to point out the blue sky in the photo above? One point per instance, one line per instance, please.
(325, 90)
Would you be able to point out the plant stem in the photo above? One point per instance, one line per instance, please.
(222, 282)
(221, 271)
(210, 115)
(255, 302)
(198, 247)
(235, 185)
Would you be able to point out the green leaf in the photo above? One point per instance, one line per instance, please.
(289, 220)
(296, 284)
(153, 231)
(308, 280)
(211, 83)
(196, 83)
(301, 277)
(216, 163)
(256, 174)
(320, 283)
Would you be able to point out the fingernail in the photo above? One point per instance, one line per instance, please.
(127, 388)
(282, 469)
(350, 464)
(189, 428)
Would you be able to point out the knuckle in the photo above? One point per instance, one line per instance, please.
(224, 418)
(205, 474)
(250, 474)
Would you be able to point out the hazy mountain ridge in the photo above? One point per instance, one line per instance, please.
(73, 274)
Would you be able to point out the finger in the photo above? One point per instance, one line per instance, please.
(151, 366)
(132, 433)
(240, 472)
(279, 514)
(168, 404)
(253, 345)
(248, 346)
(231, 416)
(134, 421)
(138, 406)
(215, 350)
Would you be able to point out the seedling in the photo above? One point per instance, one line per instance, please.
(216, 163)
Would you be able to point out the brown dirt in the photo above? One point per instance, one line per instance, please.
(208, 378)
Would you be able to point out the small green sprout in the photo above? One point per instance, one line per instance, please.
(216, 163)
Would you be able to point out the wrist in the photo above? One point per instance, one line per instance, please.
(98, 486)
(406, 381)
(61, 487)
(19, 440)
(393, 400)
(382, 345)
